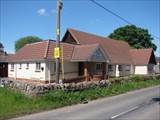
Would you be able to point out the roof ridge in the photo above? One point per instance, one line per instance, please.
(94, 44)
(103, 37)
(135, 49)
(70, 30)
(36, 42)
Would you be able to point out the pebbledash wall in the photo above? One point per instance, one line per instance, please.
(45, 73)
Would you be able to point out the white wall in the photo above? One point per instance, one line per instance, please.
(124, 72)
(27, 73)
(70, 70)
(141, 70)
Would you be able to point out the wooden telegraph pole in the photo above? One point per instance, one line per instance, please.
(57, 49)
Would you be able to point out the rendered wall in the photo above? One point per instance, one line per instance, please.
(141, 70)
(25, 73)
(70, 70)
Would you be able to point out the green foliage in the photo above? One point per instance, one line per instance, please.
(13, 103)
(135, 36)
(26, 40)
(136, 78)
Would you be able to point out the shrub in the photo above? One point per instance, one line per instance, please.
(136, 78)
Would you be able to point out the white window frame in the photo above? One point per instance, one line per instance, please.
(38, 66)
(12, 67)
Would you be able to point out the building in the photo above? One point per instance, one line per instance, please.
(85, 56)
(157, 67)
(143, 60)
(3, 62)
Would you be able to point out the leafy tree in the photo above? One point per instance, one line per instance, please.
(135, 36)
(26, 40)
(1, 47)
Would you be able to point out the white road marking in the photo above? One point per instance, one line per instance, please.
(122, 113)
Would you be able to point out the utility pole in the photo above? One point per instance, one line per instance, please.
(57, 49)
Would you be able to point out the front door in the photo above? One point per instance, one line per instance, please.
(3, 70)
(80, 68)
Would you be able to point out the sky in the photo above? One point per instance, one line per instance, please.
(20, 18)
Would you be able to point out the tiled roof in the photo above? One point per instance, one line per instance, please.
(30, 52)
(141, 56)
(45, 50)
(83, 52)
(41, 51)
(67, 50)
(117, 51)
(4, 56)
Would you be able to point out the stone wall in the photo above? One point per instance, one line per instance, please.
(34, 89)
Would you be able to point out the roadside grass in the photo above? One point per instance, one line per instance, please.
(14, 104)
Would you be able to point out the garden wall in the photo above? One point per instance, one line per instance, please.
(35, 89)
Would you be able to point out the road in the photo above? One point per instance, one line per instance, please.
(135, 105)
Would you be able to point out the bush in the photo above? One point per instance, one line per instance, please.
(136, 78)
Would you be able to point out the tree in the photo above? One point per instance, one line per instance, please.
(26, 40)
(1, 47)
(135, 36)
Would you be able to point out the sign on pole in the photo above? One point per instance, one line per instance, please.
(56, 52)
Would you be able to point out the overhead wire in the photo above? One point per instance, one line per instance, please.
(118, 16)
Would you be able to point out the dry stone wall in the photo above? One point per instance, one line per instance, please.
(33, 89)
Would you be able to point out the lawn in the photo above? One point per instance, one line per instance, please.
(14, 104)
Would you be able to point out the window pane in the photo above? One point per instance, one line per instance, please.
(110, 67)
(38, 66)
(98, 66)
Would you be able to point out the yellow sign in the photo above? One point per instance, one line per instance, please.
(56, 52)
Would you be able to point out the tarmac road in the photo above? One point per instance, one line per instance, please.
(135, 105)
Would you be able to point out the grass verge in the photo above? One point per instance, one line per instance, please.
(14, 104)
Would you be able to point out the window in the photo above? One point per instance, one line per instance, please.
(60, 67)
(127, 67)
(98, 66)
(27, 66)
(12, 67)
(120, 67)
(110, 67)
(38, 66)
(20, 66)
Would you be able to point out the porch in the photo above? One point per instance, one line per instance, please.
(92, 70)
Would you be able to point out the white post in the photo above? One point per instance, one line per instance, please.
(117, 71)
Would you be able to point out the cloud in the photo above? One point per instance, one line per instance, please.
(42, 12)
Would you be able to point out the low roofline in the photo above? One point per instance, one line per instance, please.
(29, 60)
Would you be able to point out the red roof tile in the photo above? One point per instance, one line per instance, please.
(117, 51)
(141, 56)
(34, 51)
(83, 52)
(67, 50)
